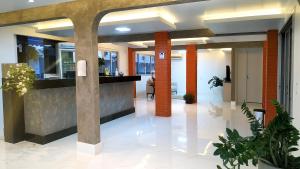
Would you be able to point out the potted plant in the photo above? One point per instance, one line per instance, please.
(189, 98)
(215, 82)
(269, 148)
(19, 78)
(101, 63)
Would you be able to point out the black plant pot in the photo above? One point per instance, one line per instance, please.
(189, 102)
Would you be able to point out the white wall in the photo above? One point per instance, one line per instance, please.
(296, 70)
(8, 52)
(178, 74)
(123, 55)
(7, 55)
(211, 63)
(178, 71)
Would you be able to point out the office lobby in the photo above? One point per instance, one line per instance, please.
(138, 84)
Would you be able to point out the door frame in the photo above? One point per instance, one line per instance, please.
(286, 65)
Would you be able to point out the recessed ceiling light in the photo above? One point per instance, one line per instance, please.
(190, 39)
(30, 1)
(242, 14)
(226, 49)
(123, 29)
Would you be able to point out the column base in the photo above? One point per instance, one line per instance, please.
(233, 105)
(89, 149)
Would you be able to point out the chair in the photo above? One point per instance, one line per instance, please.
(150, 89)
(174, 87)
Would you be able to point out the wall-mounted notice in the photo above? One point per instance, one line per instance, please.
(161, 55)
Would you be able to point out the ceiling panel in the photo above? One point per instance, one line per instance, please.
(12, 5)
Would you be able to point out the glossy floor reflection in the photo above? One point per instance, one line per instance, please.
(139, 141)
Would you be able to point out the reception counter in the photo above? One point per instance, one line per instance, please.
(50, 107)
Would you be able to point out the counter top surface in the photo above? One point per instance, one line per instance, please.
(58, 83)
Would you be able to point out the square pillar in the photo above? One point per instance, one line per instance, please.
(87, 87)
(162, 74)
(191, 70)
(270, 74)
(132, 67)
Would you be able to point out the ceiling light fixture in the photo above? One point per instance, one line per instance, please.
(123, 29)
(30, 1)
(226, 49)
(190, 39)
(242, 14)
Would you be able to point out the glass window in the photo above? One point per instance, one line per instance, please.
(114, 61)
(145, 64)
(111, 61)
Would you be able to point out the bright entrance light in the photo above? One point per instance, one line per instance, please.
(31, 1)
(123, 29)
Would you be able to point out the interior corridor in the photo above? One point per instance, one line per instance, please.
(139, 141)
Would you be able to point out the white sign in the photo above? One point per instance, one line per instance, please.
(81, 68)
(161, 55)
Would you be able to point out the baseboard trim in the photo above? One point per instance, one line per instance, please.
(116, 115)
(72, 130)
(50, 137)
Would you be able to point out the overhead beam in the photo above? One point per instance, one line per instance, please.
(250, 44)
(150, 36)
(240, 34)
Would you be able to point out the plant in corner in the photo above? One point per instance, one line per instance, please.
(189, 98)
(271, 147)
(101, 62)
(19, 78)
(215, 82)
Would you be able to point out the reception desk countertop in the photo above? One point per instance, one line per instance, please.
(58, 83)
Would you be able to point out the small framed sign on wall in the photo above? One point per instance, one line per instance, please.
(161, 55)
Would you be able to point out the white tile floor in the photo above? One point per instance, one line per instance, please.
(139, 141)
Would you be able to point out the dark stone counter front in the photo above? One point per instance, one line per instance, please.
(58, 83)
(49, 109)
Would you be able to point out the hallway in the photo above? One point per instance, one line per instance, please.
(183, 141)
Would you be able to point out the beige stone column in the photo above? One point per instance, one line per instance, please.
(87, 88)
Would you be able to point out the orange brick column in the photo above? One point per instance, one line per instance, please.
(191, 70)
(132, 67)
(270, 81)
(264, 74)
(162, 74)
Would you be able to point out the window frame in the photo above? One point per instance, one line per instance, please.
(111, 61)
(151, 58)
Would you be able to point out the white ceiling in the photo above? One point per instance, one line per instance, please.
(183, 17)
(12, 5)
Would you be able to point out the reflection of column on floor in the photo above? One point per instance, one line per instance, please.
(164, 135)
(192, 131)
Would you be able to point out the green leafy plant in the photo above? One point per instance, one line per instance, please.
(215, 82)
(273, 145)
(19, 78)
(189, 98)
(101, 62)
